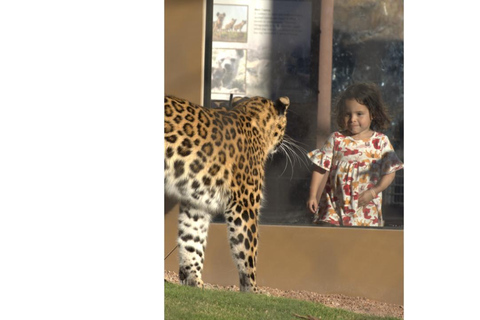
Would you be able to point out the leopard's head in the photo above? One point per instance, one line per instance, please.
(269, 120)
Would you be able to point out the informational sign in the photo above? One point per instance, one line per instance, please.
(260, 47)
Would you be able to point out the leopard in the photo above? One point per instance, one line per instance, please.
(215, 160)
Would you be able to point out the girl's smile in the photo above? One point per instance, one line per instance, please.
(357, 119)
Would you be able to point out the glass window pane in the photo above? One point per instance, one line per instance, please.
(272, 49)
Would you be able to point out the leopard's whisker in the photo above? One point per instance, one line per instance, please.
(294, 146)
(282, 147)
(287, 150)
(288, 146)
(303, 158)
(292, 162)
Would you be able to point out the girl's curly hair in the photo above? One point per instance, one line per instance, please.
(368, 95)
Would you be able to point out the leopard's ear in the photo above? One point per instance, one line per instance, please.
(281, 105)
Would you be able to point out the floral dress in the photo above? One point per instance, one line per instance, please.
(354, 166)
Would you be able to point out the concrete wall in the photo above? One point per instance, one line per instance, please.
(355, 262)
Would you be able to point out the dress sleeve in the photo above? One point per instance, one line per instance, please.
(390, 160)
(323, 157)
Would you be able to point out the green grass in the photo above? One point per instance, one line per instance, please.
(183, 302)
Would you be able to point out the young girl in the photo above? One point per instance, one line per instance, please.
(360, 162)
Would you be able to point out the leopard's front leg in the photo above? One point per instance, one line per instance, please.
(192, 240)
(243, 236)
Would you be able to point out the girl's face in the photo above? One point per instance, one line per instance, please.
(357, 119)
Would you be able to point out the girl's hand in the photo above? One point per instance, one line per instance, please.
(366, 197)
(312, 205)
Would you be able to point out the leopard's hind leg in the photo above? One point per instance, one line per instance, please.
(192, 239)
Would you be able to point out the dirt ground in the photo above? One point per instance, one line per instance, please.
(354, 304)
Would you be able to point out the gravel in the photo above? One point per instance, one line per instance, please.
(354, 304)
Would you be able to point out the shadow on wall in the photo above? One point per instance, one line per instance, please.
(170, 203)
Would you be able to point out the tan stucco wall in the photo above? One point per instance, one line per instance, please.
(355, 262)
(184, 49)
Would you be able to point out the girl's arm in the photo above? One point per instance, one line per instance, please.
(368, 195)
(384, 182)
(314, 195)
